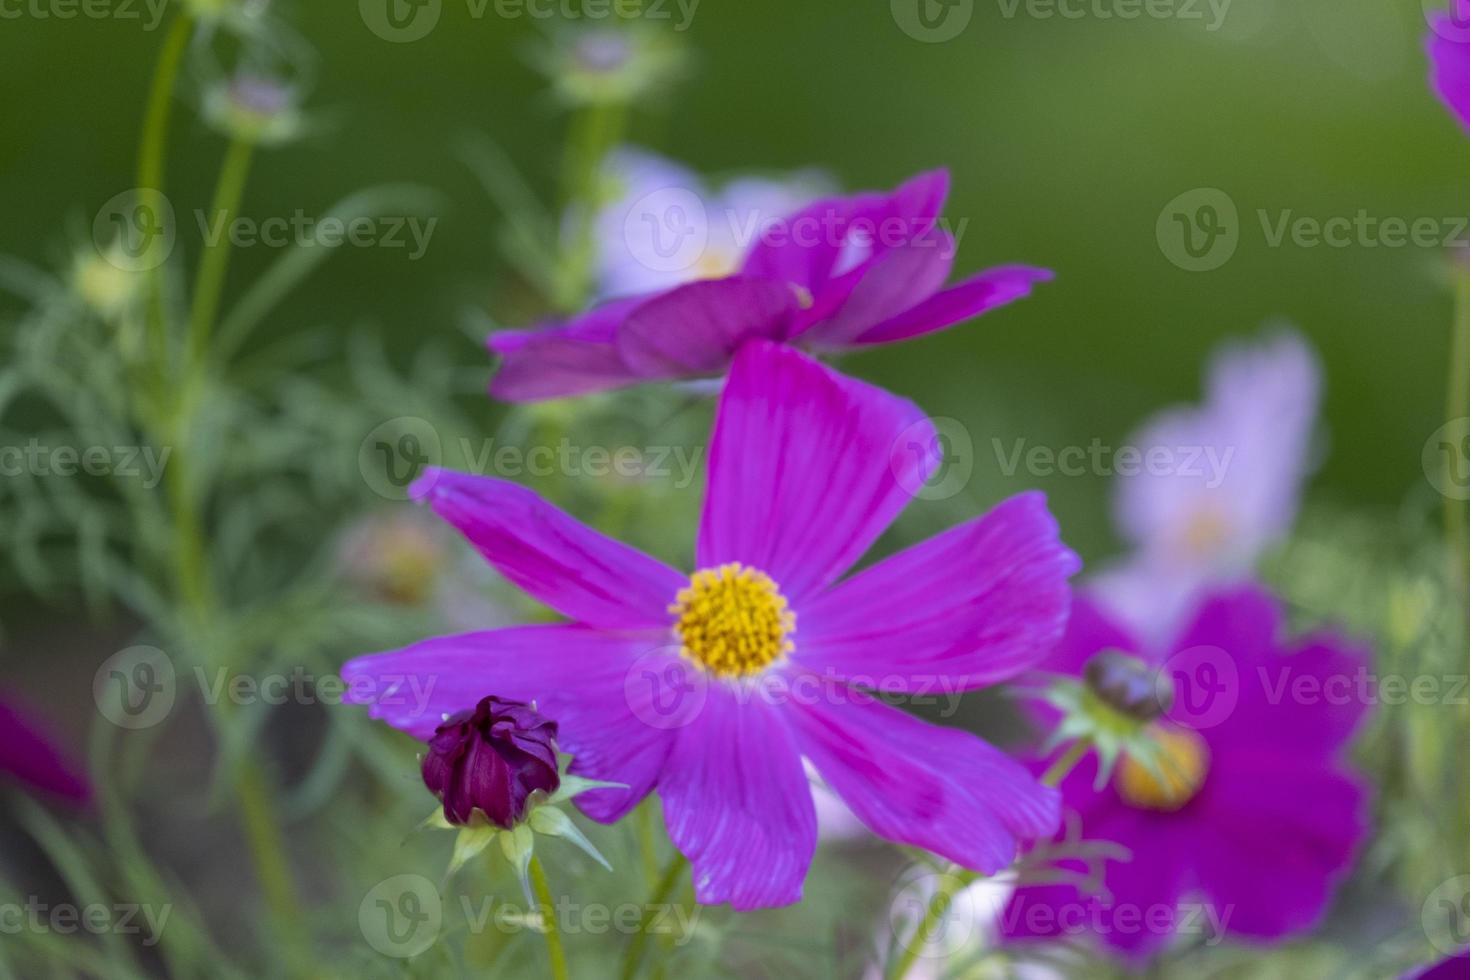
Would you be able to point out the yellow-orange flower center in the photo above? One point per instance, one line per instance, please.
(733, 621)
(1178, 772)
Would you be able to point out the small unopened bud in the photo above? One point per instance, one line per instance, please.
(486, 765)
(1127, 685)
(255, 108)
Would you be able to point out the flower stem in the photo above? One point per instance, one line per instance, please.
(1457, 406)
(194, 585)
(1066, 763)
(675, 868)
(958, 879)
(554, 950)
(595, 131)
(214, 262)
(151, 153)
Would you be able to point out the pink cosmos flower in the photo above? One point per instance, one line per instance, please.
(1251, 820)
(843, 273)
(1219, 484)
(712, 689)
(1449, 58)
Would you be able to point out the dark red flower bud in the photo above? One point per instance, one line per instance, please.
(1128, 685)
(492, 759)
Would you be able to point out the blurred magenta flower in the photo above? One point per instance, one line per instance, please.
(842, 273)
(1218, 483)
(1456, 967)
(1250, 820)
(632, 240)
(1449, 58)
(489, 760)
(29, 756)
(711, 689)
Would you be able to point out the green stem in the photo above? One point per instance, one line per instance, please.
(672, 872)
(596, 130)
(152, 153)
(646, 846)
(958, 879)
(1457, 406)
(214, 261)
(194, 582)
(554, 949)
(1067, 762)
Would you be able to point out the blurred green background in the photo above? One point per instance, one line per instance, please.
(1066, 138)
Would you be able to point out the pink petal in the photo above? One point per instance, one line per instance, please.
(1134, 908)
(940, 789)
(738, 804)
(897, 280)
(980, 294)
(697, 328)
(807, 468)
(575, 570)
(814, 239)
(575, 358)
(1279, 838)
(585, 680)
(973, 606)
(1312, 695)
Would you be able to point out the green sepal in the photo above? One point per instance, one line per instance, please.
(555, 823)
(518, 845)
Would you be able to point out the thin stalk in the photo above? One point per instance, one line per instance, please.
(672, 872)
(214, 261)
(1066, 763)
(152, 153)
(595, 131)
(647, 848)
(194, 583)
(1457, 406)
(554, 949)
(956, 881)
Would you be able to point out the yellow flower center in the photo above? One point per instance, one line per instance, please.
(1206, 533)
(733, 621)
(1179, 771)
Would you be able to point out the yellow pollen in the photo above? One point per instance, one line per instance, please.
(1205, 533)
(733, 621)
(1182, 763)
